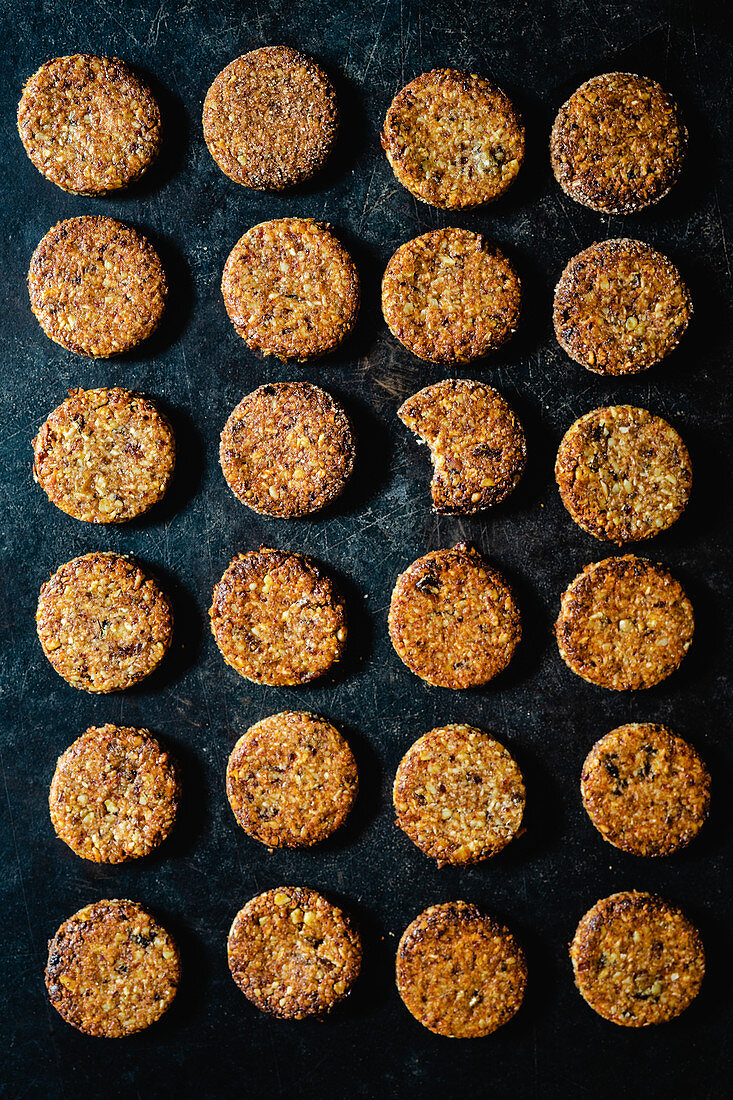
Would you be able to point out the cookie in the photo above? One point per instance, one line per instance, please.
(637, 959)
(97, 287)
(291, 289)
(89, 124)
(458, 795)
(114, 794)
(104, 624)
(270, 118)
(291, 780)
(276, 618)
(112, 969)
(477, 445)
(454, 139)
(645, 789)
(620, 307)
(624, 475)
(624, 624)
(104, 456)
(292, 953)
(453, 619)
(459, 972)
(287, 450)
(450, 296)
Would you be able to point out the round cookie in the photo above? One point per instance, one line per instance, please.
(645, 789)
(458, 795)
(454, 139)
(89, 124)
(291, 780)
(292, 953)
(459, 972)
(453, 619)
(624, 624)
(291, 289)
(287, 449)
(276, 618)
(450, 296)
(624, 475)
(617, 145)
(270, 118)
(112, 969)
(97, 287)
(114, 794)
(103, 623)
(104, 456)
(477, 445)
(637, 959)
(620, 307)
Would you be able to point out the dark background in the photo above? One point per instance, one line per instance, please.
(213, 1042)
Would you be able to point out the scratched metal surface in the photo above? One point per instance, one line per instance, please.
(213, 1041)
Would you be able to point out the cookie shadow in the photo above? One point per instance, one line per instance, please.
(188, 471)
(372, 461)
(188, 632)
(179, 301)
(366, 806)
(175, 136)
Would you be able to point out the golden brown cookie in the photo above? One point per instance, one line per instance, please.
(637, 959)
(287, 449)
(459, 795)
(624, 475)
(292, 953)
(291, 780)
(453, 619)
(112, 969)
(454, 139)
(459, 972)
(477, 445)
(114, 794)
(450, 296)
(645, 789)
(624, 624)
(97, 287)
(270, 118)
(103, 623)
(618, 143)
(276, 618)
(104, 456)
(88, 123)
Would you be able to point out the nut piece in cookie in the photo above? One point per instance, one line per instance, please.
(637, 959)
(454, 139)
(477, 445)
(624, 624)
(112, 969)
(459, 972)
(451, 296)
(292, 953)
(453, 619)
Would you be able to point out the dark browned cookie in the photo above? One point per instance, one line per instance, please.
(112, 969)
(276, 618)
(97, 287)
(453, 619)
(453, 139)
(460, 973)
(291, 780)
(292, 953)
(103, 623)
(645, 789)
(287, 449)
(451, 296)
(637, 959)
(624, 624)
(88, 123)
(270, 118)
(618, 143)
(477, 445)
(114, 794)
(624, 475)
